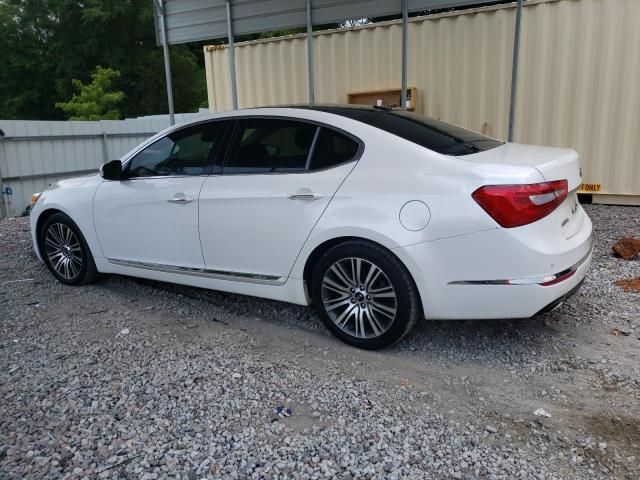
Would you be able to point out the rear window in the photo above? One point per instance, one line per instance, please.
(435, 135)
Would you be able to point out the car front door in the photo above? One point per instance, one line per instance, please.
(278, 177)
(150, 217)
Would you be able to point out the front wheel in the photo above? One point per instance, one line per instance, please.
(65, 251)
(365, 295)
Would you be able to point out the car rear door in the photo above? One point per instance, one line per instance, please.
(278, 177)
(149, 219)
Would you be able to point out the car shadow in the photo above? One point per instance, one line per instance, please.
(489, 342)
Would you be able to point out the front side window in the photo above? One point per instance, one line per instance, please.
(263, 145)
(184, 152)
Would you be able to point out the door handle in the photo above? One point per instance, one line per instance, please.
(304, 196)
(182, 199)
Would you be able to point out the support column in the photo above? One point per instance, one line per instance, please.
(232, 57)
(405, 19)
(514, 71)
(310, 54)
(167, 62)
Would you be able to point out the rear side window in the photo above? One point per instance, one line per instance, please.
(332, 148)
(441, 137)
(433, 134)
(263, 145)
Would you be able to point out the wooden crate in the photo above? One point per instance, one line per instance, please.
(390, 97)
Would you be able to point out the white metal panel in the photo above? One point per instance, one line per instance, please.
(34, 154)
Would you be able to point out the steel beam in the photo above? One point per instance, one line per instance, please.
(312, 98)
(514, 71)
(232, 57)
(167, 61)
(405, 39)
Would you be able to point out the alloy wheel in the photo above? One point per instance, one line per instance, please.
(63, 250)
(359, 297)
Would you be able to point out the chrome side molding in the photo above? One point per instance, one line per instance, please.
(201, 272)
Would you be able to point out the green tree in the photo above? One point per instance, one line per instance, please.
(94, 101)
(47, 43)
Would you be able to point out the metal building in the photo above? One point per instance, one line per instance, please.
(555, 72)
(576, 82)
(182, 21)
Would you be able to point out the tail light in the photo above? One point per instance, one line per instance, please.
(517, 205)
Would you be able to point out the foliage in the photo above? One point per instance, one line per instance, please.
(47, 43)
(94, 101)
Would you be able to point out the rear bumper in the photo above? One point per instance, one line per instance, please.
(542, 280)
(559, 301)
(493, 275)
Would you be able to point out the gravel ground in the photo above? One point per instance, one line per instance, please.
(136, 379)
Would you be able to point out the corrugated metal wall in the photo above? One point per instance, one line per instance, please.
(579, 86)
(33, 154)
(453, 60)
(577, 83)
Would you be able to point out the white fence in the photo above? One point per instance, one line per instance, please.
(33, 154)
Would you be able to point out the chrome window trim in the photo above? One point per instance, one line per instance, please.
(201, 272)
(157, 177)
(356, 158)
(320, 125)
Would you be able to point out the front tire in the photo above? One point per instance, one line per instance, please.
(65, 251)
(365, 295)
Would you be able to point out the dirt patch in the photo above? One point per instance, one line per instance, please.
(629, 284)
(621, 429)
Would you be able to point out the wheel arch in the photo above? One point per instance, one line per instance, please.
(40, 222)
(49, 212)
(322, 248)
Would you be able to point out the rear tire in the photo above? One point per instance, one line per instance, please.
(65, 251)
(365, 295)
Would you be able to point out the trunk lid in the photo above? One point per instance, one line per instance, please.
(552, 163)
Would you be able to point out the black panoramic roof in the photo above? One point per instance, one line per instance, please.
(345, 110)
(436, 135)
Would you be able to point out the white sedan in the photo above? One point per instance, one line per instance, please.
(377, 217)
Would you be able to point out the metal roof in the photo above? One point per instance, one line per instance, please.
(196, 20)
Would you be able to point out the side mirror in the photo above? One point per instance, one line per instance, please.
(111, 170)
